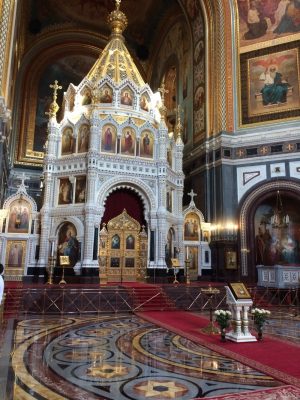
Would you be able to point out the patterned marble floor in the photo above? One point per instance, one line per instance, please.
(118, 357)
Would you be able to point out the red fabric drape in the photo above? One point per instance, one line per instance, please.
(120, 199)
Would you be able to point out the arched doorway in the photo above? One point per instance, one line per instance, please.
(123, 241)
(263, 241)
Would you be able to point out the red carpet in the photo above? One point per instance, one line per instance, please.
(273, 357)
(278, 393)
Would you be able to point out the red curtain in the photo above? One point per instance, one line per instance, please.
(120, 199)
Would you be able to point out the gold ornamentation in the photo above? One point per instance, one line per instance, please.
(163, 109)
(117, 20)
(107, 371)
(167, 389)
(179, 127)
(54, 107)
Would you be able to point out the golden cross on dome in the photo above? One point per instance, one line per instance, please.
(118, 3)
(55, 88)
(163, 91)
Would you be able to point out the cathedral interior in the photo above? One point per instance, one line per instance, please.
(149, 162)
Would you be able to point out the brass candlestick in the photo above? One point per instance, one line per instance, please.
(50, 270)
(210, 328)
(187, 270)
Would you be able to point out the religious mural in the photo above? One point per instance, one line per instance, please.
(115, 242)
(109, 138)
(86, 98)
(130, 242)
(19, 217)
(267, 22)
(191, 227)
(67, 142)
(15, 253)
(83, 139)
(106, 94)
(145, 102)
(281, 244)
(65, 195)
(193, 257)
(80, 189)
(128, 142)
(273, 83)
(126, 97)
(67, 243)
(66, 69)
(146, 144)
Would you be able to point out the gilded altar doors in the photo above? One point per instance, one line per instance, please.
(122, 250)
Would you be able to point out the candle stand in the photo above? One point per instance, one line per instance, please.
(50, 270)
(187, 271)
(210, 328)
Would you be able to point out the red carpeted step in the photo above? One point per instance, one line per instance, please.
(274, 357)
(149, 297)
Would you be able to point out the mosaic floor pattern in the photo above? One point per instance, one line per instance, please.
(120, 357)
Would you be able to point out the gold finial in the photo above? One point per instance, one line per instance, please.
(117, 20)
(163, 108)
(54, 107)
(179, 126)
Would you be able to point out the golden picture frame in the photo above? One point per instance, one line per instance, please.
(270, 84)
(15, 254)
(230, 259)
(64, 260)
(239, 291)
(175, 262)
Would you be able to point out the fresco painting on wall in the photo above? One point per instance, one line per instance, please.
(66, 69)
(83, 139)
(273, 83)
(109, 137)
(267, 22)
(15, 253)
(128, 142)
(80, 189)
(19, 216)
(277, 245)
(126, 97)
(193, 256)
(65, 195)
(146, 147)
(68, 244)
(67, 142)
(191, 227)
(106, 95)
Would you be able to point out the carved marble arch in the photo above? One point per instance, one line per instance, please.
(137, 185)
(249, 204)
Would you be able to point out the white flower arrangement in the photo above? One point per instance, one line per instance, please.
(259, 316)
(222, 318)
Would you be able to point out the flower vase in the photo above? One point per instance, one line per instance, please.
(259, 333)
(223, 332)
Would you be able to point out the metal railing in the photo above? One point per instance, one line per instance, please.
(67, 300)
